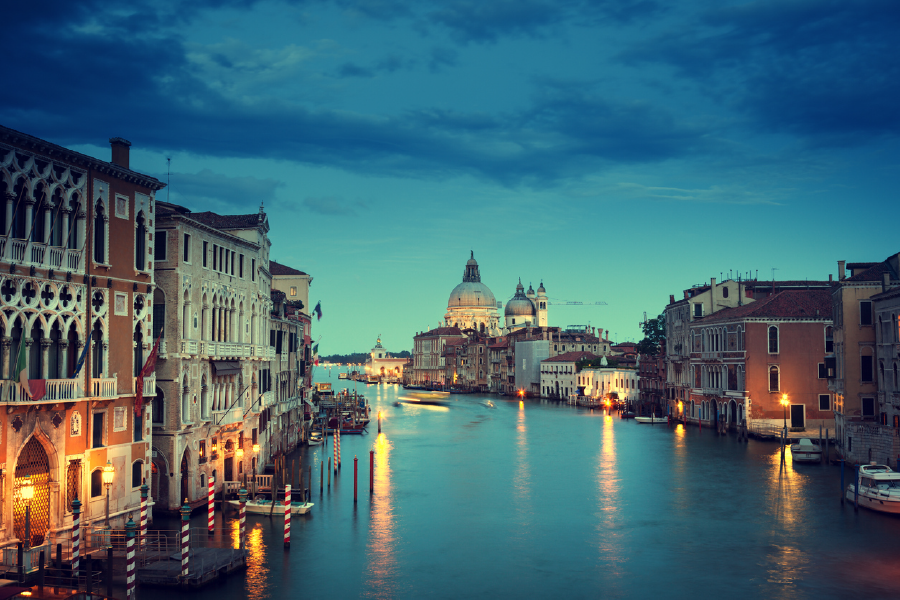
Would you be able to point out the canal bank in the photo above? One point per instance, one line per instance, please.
(502, 498)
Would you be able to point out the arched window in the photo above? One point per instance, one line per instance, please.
(159, 312)
(185, 402)
(35, 354)
(725, 292)
(204, 399)
(99, 234)
(56, 232)
(97, 349)
(773, 340)
(38, 228)
(774, 379)
(74, 229)
(96, 483)
(137, 473)
(159, 407)
(138, 349)
(140, 243)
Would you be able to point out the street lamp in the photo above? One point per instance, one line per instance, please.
(26, 492)
(108, 472)
(784, 405)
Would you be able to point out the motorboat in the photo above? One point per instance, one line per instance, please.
(652, 420)
(264, 507)
(806, 451)
(879, 489)
(626, 414)
(315, 438)
(343, 376)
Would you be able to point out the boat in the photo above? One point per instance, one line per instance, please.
(806, 451)
(626, 414)
(343, 376)
(315, 438)
(879, 489)
(264, 507)
(652, 420)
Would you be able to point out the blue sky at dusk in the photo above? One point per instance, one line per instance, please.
(620, 151)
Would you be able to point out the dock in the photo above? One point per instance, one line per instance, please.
(205, 565)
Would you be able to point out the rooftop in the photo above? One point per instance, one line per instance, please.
(218, 221)
(276, 268)
(789, 304)
(442, 331)
(571, 357)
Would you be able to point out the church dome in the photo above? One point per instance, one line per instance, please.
(519, 305)
(471, 293)
(541, 289)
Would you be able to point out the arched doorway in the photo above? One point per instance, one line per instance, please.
(34, 464)
(185, 478)
(159, 480)
(732, 413)
(713, 412)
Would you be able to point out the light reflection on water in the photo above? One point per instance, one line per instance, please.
(541, 498)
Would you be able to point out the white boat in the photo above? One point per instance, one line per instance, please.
(264, 507)
(315, 438)
(652, 420)
(879, 489)
(806, 451)
(343, 376)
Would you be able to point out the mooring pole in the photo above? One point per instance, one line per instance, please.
(287, 516)
(371, 471)
(185, 538)
(130, 529)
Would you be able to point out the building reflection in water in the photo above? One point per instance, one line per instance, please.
(382, 540)
(681, 501)
(609, 534)
(522, 478)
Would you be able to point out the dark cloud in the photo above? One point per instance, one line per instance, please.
(442, 58)
(389, 64)
(826, 71)
(216, 191)
(333, 206)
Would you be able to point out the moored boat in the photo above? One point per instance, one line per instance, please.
(652, 420)
(264, 507)
(806, 451)
(343, 376)
(315, 438)
(879, 489)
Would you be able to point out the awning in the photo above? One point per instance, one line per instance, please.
(226, 367)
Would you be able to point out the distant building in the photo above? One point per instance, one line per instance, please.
(472, 304)
(381, 364)
(526, 310)
(559, 375)
(293, 282)
(428, 358)
(614, 383)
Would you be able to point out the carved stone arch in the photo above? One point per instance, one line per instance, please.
(7, 178)
(31, 316)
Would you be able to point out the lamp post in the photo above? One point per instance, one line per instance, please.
(26, 492)
(784, 405)
(108, 472)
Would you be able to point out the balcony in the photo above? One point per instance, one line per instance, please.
(227, 417)
(56, 390)
(149, 384)
(189, 347)
(35, 254)
(107, 387)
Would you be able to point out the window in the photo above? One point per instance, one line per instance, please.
(73, 483)
(232, 263)
(865, 312)
(186, 257)
(868, 407)
(774, 379)
(698, 309)
(252, 269)
(215, 253)
(96, 483)
(823, 374)
(829, 340)
(294, 293)
(97, 430)
(137, 473)
(773, 340)
(159, 247)
(205, 252)
(99, 235)
(140, 243)
(724, 292)
(824, 402)
(138, 427)
(241, 266)
(201, 453)
(865, 369)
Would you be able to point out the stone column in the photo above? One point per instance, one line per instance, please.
(65, 241)
(10, 205)
(48, 218)
(212, 324)
(29, 211)
(45, 355)
(63, 346)
(5, 344)
(221, 338)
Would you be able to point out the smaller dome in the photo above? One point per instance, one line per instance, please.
(541, 289)
(530, 292)
(520, 305)
(472, 262)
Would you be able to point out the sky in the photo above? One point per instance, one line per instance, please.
(618, 151)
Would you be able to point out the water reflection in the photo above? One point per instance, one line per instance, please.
(382, 540)
(522, 479)
(609, 533)
(257, 578)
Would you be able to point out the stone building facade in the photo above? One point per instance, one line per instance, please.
(76, 253)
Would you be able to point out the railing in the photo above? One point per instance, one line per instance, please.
(105, 388)
(39, 254)
(54, 390)
(189, 347)
(149, 384)
(226, 417)
(765, 430)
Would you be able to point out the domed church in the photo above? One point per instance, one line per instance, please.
(526, 309)
(471, 304)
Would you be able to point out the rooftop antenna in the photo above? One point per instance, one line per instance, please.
(168, 175)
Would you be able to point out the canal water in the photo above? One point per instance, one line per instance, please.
(492, 497)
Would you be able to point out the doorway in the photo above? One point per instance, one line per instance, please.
(798, 417)
(229, 468)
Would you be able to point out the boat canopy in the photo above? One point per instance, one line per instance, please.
(226, 367)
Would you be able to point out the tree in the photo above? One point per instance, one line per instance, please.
(654, 336)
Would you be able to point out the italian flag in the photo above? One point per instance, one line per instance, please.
(21, 370)
(315, 351)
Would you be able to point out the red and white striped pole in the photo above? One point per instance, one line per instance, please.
(287, 516)
(338, 448)
(76, 536)
(145, 492)
(334, 447)
(210, 522)
(130, 528)
(242, 495)
(185, 537)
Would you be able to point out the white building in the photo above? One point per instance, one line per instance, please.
(609, 382)
(559, 374)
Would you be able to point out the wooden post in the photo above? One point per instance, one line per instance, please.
(329, 472)
(355, 478)
(371, 472)
(89, 569)
(856, 491)
(843, 489)
(210, 505)
(242, 497)
(185, 538)
(108, 574)
(821, 446)
(41, 574)
(308, 487)
(287, 516)
(145, 492)
(321, 476)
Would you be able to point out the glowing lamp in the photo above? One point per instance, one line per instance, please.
(240, 453)
(109, 472)
(680, 406)
(26, 489)
(256, 448)
(784, 400)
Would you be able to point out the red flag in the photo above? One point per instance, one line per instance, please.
(148, 368)
(37, 387)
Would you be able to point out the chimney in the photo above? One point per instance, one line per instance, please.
(841, 274)
(686, 296)
(120, 149)
(671, 298)
(712, 282)
(830, 278)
